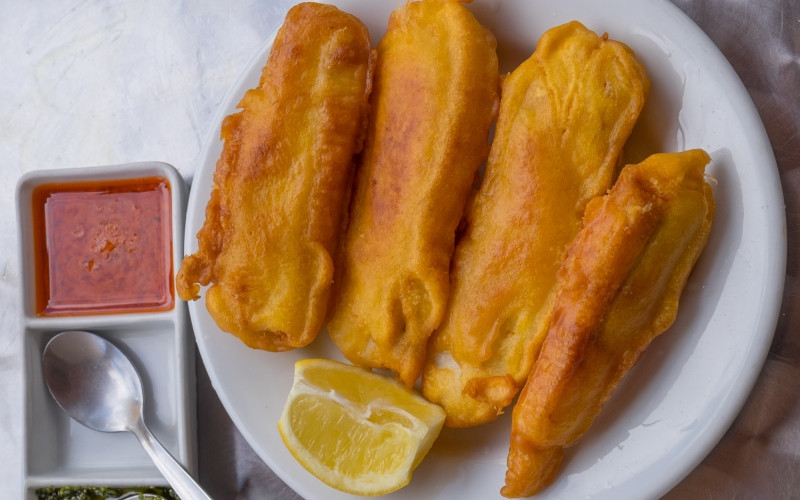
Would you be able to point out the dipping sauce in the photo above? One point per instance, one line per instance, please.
(103, 247)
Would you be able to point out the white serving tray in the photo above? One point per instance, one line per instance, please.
(58, 451)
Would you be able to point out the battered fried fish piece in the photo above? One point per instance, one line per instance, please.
(435, 96)
(618, 288)
(565, 115)
(281, 185)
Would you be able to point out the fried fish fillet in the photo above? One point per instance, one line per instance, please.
(618, 288)
(565, 115)
(435, 97)
(281, 185)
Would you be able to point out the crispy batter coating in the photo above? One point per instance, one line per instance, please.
(618, 288)
(281, 186)
(565, 115)
(435, 97)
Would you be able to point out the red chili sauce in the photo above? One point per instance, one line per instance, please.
(103, 247)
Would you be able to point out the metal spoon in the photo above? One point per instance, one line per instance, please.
(99, 387)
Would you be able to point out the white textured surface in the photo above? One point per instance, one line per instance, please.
(102, 82)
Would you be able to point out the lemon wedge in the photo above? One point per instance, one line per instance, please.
(357, 431)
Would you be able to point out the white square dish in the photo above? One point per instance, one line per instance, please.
(59, 451)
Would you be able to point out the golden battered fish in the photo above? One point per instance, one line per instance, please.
(565, 115)
(435, 97)
(282, 183)
(618, 288)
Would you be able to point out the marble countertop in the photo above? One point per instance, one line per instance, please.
(106, 82)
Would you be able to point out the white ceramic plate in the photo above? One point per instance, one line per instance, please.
(684, 393)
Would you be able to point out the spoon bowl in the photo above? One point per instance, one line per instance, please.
(98, 386)
(93, 381)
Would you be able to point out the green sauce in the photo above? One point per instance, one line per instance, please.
(105, 493)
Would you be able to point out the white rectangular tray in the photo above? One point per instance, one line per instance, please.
(57, 451)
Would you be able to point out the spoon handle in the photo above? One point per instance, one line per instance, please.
(180, 480)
